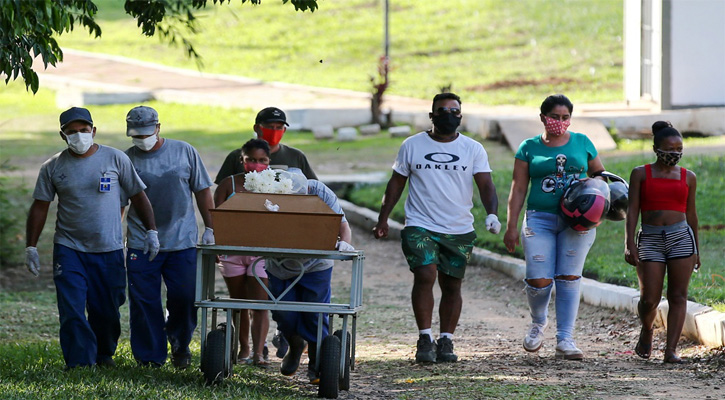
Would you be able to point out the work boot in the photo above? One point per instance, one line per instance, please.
(313, 373)
(291, 361)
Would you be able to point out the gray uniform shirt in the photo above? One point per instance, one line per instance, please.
(171, 173)
(89, 207)
(287, 270)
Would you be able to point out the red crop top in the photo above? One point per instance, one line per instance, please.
(663, 193)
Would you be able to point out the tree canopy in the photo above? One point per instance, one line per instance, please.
(28, 27)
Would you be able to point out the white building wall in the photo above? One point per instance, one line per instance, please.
(697, 53)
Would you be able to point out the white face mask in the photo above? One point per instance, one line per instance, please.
(145, 144)
(79, 142)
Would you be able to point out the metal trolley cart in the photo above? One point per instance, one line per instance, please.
(218, 345)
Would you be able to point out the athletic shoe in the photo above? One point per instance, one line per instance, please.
(426, 351)
(534, 337)
(279, 342)
(566, 349)
(444, 352)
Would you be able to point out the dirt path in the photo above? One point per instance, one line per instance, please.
(488, 342)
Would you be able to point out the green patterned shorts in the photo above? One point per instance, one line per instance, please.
(450, 252)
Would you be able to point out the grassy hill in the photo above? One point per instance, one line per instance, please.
(489, 51)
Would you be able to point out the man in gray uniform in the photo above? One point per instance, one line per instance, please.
(88, 268)
(172, 171)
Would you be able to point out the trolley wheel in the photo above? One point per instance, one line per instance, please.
(345, 380)
(329, 367)
(212, 359)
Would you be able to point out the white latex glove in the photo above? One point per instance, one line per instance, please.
(32, 260)
(492, 224)
(151, 244)
(208, 237)
(344, 246)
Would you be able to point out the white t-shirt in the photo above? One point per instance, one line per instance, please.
(440, 189)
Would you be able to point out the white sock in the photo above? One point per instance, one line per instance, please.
(428, 332)
(447, 335)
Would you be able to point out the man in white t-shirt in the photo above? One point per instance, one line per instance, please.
(437, 240)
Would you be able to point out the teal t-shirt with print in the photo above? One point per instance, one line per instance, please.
(552, 169)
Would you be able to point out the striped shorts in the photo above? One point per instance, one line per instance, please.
(662, 243)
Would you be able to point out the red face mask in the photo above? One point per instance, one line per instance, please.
(555, 127)
(251, 166)
(272, 136)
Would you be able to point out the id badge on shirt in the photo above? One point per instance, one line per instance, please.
(105, 185)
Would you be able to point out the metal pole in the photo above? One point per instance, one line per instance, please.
(387, 30)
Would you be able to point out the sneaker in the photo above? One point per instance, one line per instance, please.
(265, 353)
(279, 341)
(181, 361)
(426, 351)
(534, 337)
(566, 349)
(444, 352)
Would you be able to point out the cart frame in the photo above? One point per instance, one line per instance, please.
(206, 299)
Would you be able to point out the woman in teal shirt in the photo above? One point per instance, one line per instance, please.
(554, 252)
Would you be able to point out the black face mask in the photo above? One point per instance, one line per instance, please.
(446, 123)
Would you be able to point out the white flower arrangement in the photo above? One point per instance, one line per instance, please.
(267, 181)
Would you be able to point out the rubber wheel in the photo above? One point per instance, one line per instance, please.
(345, 380)
(212, 360)
(329, 368)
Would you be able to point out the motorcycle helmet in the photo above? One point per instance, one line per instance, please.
(585, 203)
(618, 197)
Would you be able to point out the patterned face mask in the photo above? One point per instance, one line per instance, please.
(555, 127)
(669, 158)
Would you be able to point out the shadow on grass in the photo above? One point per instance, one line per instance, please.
(36, 370)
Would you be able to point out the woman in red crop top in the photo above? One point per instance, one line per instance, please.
(667, 240)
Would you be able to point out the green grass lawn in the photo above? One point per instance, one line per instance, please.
(490, 51)
(33, 366)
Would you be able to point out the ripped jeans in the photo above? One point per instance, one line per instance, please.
(552, 250)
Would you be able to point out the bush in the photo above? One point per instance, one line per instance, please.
(13, 203)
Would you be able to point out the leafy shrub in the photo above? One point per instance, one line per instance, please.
(13, 205)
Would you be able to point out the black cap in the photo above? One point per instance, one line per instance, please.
(271, 114)
(75, 114)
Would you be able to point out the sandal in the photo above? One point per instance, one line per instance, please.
(641, 349)
(672, 358)
(259, 361)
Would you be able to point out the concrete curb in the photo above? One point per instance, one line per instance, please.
(703, 324)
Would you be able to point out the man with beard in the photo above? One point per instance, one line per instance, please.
(438, 236)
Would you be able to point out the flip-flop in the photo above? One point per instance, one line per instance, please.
(244, 361)
(673, 359)
(642, 350)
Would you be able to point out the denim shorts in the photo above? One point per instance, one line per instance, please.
(551, 248)
(662, 243)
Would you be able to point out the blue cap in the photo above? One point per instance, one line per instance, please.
(75, 114)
